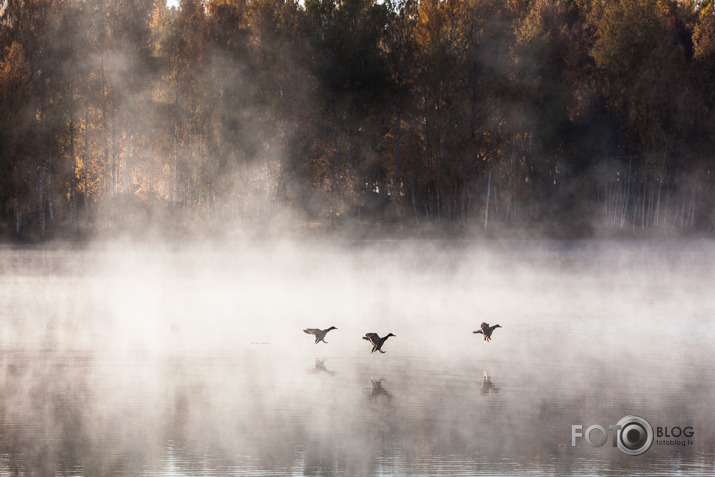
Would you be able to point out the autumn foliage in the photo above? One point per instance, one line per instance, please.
(575, 117)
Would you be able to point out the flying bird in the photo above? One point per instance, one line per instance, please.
(376, 341)
(319, 334)
(487, 331)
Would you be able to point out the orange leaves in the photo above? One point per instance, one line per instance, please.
(704, 34)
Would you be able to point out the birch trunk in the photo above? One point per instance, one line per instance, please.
(657, 204)
(624, 212)
(643, 207)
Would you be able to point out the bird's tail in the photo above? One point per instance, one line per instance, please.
(307, 332)
(366, 338)
(479, 332)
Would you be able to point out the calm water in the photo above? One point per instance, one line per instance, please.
(191, 360)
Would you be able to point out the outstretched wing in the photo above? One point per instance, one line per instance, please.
(485, 326)
(371, 337)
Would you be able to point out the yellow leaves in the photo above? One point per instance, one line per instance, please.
(626, 31)
(443, 23)
(14, 76)
(160, 20)
(546, 18)
(704, 33)
(13, 66)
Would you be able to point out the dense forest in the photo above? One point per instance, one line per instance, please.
(586, 116)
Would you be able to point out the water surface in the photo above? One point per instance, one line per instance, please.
(190, 360)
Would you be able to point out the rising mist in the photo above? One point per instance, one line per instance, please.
(141, 357)
(128, 115)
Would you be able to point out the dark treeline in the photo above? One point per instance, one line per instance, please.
(581, 115)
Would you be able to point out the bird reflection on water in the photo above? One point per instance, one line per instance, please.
(487, 385)
(320, 368)
(141, 395)
(378, 390)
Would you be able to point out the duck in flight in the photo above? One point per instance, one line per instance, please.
(319, 334)
(376, 341)
(487, 331)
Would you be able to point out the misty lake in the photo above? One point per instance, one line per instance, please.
(185, 360)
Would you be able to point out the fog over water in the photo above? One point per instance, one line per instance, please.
(190, 359)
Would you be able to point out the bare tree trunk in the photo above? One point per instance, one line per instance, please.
(190, 168)
(428, 210)
(643, 207)
(635, 209)
(397, 149)
(125, 185)
(463, 205)
(486, 208)
(115, 148)
(177, 131)
(624, 212)
(649, 215)
(512, 213)
(677, 220)
(351, 113)
(86, 159)
(73, 159)
(657, 206)
(414, 201)
(49, 187)
(105, 163)
(175, 166)
(336, 139)
(41, 200)
(605, 202)
(440, 157)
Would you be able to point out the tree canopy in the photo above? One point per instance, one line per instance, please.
(574, 116)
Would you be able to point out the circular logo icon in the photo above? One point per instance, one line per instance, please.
(634, 435)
